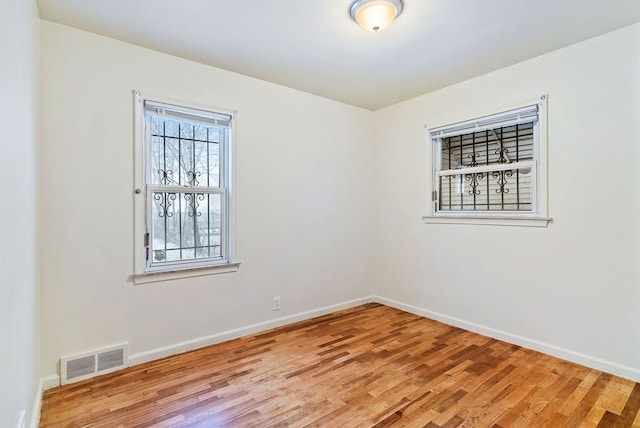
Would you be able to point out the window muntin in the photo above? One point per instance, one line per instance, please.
(490, 166)
(187, 186)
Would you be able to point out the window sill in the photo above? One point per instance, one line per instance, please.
(144, 278)
(489, 221)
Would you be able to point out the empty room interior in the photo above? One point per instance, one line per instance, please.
(320, 213)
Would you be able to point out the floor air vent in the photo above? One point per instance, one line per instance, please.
(79, 367)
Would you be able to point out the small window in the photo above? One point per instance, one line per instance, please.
(493, 167)
(185, 184)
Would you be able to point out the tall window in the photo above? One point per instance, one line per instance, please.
(186, 154)
(493, 166)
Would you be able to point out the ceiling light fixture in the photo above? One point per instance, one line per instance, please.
(375, 15)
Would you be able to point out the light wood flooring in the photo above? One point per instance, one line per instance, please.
(369, 366)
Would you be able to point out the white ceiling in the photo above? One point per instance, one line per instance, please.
(313, 45)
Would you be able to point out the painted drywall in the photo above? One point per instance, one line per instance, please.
(572, 285)
(329, 206)
(303, 194)
(19, 375)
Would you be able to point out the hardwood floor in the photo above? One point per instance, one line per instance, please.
(367, 366)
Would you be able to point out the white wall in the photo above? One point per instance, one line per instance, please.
(330, 199)
(303, 196)
(574, 286)
(18, 281)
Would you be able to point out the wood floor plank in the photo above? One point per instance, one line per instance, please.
(362, 367)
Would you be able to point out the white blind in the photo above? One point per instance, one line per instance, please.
(187, 114)
(509, 118)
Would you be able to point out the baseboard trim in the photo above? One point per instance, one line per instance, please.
(34, 422)
(200, 342)
(53, 381)
(556, 351)
(49, 382)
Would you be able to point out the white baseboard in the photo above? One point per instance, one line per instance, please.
(37, 405)
(53, 381)
(200, 342)
(49, 382)
(557, 351)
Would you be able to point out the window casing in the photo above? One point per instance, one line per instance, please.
(183, 187)
(491, 169)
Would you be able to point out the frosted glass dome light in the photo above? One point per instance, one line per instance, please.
(375, 15)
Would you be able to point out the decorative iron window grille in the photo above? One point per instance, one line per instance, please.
(487, 166)
(187, 183)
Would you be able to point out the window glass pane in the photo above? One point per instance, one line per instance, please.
(188, 177)
(172, 256)
(186, 130)
(189, 209)
(170, 128)
(508, 190)
(186, 226)
(213, 159)
(185, 153)
(495, 146)
(185, 221)
(214, 226)
(154, 121)
(164, 233)
(200, 132)
(172, 161)
(159, 174)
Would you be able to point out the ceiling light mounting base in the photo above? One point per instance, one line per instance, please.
(375, 15)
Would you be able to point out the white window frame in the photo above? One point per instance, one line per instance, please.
(144, 269)
(538, 216)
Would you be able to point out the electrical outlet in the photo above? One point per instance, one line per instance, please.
(276, 303)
